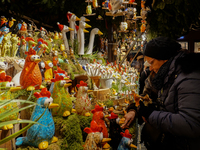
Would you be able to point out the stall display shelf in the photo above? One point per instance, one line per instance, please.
(89, 14)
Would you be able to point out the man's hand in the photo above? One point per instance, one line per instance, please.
(129, 117)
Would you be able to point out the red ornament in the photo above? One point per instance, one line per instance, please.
(126, 134)
(82, 83)
(44, 93)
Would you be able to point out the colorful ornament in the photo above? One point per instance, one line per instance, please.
(125, 143)
(48, 74)
(41, 135)
(64, 29)
(95, 138)
(31, 77)
(89, 9)
(123, 26)
(19, 65)
(61, 96)
(143, 26)
(95, 3)
(6, 87)
(98, 116)
(83, 104)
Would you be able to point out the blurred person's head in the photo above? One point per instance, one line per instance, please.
(160, 50)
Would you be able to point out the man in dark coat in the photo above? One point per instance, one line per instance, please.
(175, 121)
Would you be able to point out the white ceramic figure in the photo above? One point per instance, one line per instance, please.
(64, 29)
(91, 42)
(19, 65)
(123, 26)
(82, 26)
(72, 18)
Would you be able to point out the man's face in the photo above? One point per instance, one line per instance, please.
(155, 64)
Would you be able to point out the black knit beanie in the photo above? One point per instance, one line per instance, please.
(162, 48)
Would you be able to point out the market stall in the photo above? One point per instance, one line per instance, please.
(58, 93)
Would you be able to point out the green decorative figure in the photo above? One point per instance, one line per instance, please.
(61, 96)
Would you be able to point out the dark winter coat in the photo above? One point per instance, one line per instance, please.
(180, 101)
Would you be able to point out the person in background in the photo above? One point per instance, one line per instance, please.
(174, 122)
(143, 70)
(140, 62)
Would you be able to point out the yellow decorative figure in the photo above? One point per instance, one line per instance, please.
(56, 36)
(15, 40)
(5, 44)
(48, 74)
(11, 22)
(61, 96)
(62, 47)
(89, 9)
(6, 95)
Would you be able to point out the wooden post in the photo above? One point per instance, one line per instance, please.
(3, 134)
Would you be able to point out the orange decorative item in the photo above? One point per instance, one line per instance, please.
(55, 58)
(143, 4)
(94, 3)
(143, 26)
(48, 74)
(98, 116)
(31, 77)
(4, 77)
(23, 27)
(83, 104)
(95, 137)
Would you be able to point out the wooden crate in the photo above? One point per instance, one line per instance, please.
(119, 101)
(101, 94)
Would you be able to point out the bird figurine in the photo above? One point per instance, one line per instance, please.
(6, 87)
(115, 130)
(55, 58)
(64, 29)
(6, 44)
(11, 23)
(41, 135)
(42, 68)
(95, 138)
(31, 77)
(61, 96)
(83, 104)
(48, 74)
(22, 48)
(3, 76)
(3, 21)
(14, 48)
(72, 18)
(19, 65)
(98, 116)
(29, 43)
(125, 143)
(23, 29)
